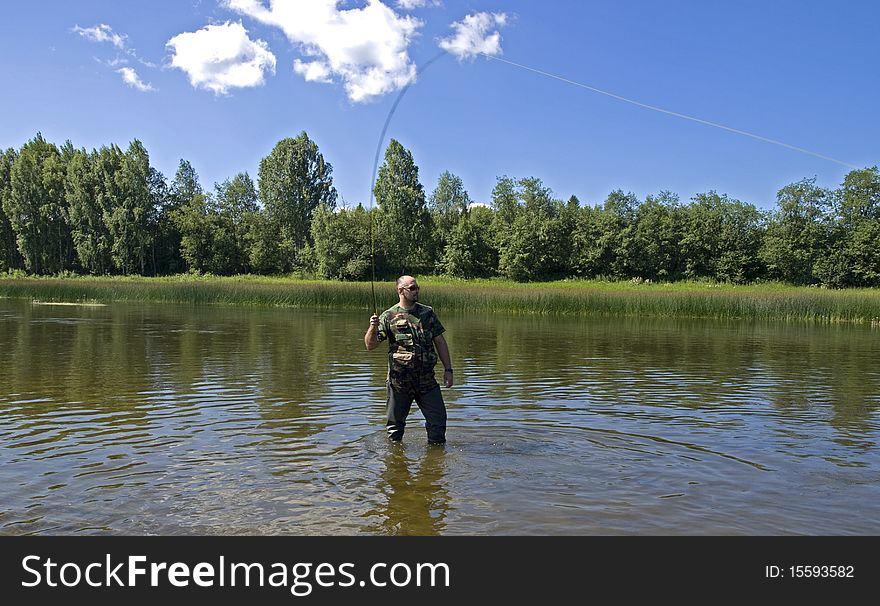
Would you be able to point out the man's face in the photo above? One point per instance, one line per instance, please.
(410, 291)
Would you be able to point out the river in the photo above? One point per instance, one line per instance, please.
(173, 419)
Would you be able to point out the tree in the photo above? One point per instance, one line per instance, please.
(129, 218)
(506, 207)
(294, 179)
(168, 200)
(342, 243)
(207, 237)
(35, 207)
(863, 251)
(265, 254)
(9, 256)
(860, 195)
(796, 236)
(185, 186)
(85, 214)
(447, 204)
(192, 222)
(859, 215)
(164, 254)
(237, 198)
(106, 167)
(653, 239)
(537, 244)
(64, 251)
(404, 225)
(469, 252)
(236, 201)
(601, 237)
(722, 239)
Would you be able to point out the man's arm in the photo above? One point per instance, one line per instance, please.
(443, 352)
(371, 339)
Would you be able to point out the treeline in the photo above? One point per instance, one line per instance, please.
(109, 211)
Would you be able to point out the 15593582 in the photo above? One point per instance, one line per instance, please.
(822, 571)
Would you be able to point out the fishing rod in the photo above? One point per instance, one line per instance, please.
(419, 71)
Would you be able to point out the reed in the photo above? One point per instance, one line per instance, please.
(575, 297)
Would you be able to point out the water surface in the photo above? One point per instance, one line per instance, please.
(169, 419)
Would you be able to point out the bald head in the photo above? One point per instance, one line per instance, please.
(408, 291)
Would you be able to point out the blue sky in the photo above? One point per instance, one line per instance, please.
(219, 82)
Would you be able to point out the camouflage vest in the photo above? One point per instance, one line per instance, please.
(411, 353)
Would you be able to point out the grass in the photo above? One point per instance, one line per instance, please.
(570, 297)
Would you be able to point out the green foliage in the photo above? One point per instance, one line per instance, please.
(185, 186)
(237, 198)
(265, 253)
(215, 234)
(505, 201)
(236, 201)
(35, 207)
(192, 222)
(9, 256)
(63, 210)
(168, 199)
(858, 209)
(533, 230)
(294, 179)
(83, 190)
(682, 300)
(404, 225)
(863, 252)
(859, 197)
(653, 239)
(342, 243)
(447, 204)
(601, 237)
(165, 247)
(130, 213)
(796, 236)
(469, 252)
(722, 239)
(94, 231)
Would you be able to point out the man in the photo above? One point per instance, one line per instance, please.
(413, 332)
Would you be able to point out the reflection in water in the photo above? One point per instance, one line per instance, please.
(416, 499)
(178, 419)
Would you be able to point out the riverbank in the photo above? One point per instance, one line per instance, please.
(568, 297)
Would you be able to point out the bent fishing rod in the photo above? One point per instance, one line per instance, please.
(419, 71)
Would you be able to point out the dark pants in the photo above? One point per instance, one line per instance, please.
(432, 407)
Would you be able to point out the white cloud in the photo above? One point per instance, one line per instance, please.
(472, 35)
(130, 77)
(112, 63)
(101, 33)
(221, 57)
(105, 33)
(365, 48)
(409, 5)
(313, 71)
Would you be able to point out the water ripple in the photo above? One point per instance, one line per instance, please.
(139, 420)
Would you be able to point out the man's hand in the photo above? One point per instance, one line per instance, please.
(443, 353)
(371, 339)
(447, 378)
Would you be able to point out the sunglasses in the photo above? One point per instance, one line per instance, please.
(410, 288)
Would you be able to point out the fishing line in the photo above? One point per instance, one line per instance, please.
(376, 166)
(672, 113)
